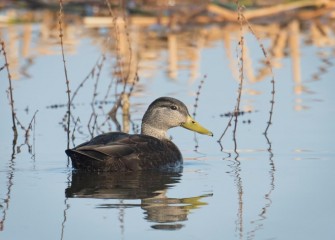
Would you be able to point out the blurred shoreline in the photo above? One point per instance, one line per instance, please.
(171, 12)
(32, 33)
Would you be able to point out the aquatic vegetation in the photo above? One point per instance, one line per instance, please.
(260, 77)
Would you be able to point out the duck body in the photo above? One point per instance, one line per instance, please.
(152, 149)
(122, 152)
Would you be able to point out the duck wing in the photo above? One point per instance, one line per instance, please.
(124, 152)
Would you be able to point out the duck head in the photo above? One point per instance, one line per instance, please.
(165, 113)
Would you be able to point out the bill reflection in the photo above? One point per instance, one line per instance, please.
(151, 188)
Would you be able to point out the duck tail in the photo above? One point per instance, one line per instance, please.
(81, 160)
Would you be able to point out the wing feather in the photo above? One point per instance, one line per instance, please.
(124, 152)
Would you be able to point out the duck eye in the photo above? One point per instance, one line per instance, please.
(173, 107)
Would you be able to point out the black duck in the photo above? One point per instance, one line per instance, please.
(152, 149)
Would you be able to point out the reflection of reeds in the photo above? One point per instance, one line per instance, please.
(123, 63)
(66, 209)
(323, 68)
(10, 184)
(236, 167)
(120, 85)
(262, 215)
(236, 173)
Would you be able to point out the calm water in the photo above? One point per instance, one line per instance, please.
(282, 187)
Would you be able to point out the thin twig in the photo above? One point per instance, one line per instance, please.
(27, 133)
(242, 19)
(68, 92)
(241, 78)
(197, 96)
(196, 104)
(90, 74)
(268, 63)
(95, 93)
(10, 89)
(74, 130)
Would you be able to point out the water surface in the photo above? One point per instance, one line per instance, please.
(256, 187)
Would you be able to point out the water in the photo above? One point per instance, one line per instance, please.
(279, 187)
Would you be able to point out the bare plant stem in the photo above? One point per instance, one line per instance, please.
(65, 72)
(74, 130)
(10, 90)
(241, 70)
(242, 19)
(196, 104)
(241, 78)
(10, 175)
(90, 74)
(237, 108)
(27, 131)
(95, 93)
(197, 96)
(268, 63)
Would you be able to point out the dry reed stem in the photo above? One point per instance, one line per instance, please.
(268, 63)
(76, 91)
(241, 78)
(27, 131)
(93, 102)
(242, 19)
(241, 70)
(67, 82)
(15, 148)
(93, 125)
(195, 105)
(94, 72)
(10, 89)
(27, 135)
(91, 128)
(73, 137)
(113, 111)
(196, 102)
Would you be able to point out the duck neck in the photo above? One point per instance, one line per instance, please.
(149, 130)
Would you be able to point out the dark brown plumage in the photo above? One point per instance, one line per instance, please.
(152, 149)
(119, 152)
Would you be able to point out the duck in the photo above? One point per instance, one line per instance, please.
(150, 150)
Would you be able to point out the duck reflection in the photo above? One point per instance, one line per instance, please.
(149, 187)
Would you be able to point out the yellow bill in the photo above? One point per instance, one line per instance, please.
(193, 125)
